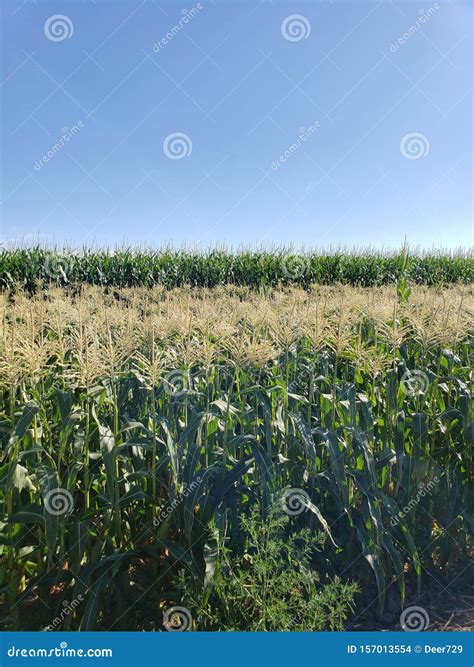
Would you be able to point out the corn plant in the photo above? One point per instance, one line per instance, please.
(136, 423)
(33, 267)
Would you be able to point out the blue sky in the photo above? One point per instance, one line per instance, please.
(259, 122)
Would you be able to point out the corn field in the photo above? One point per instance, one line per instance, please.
(33, 267)
(139, 424)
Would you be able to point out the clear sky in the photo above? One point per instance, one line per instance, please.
(237, 122)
